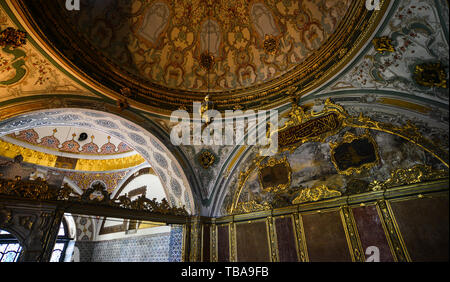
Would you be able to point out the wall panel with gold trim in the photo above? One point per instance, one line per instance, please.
(258, 248)
(286, 240)
(223, 243)
(371, 231)
(423, 223)
(408, 223)
(325, 236)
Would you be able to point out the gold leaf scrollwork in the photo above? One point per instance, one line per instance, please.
(431, 75)
(39, 190)
(408, 132)
(315, 194)
(382, 44)
(12, 37)
(416, 174)
(251, 206)
(5, 216)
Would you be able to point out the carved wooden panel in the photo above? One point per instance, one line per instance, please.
(206, 250)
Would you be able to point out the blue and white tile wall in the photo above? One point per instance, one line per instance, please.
(176, 243)
(147, 248)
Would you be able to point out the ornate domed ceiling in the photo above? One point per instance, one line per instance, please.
(247, 53)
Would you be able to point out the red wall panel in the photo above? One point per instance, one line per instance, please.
(371, 232)
(287, 250)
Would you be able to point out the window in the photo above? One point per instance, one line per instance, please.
(10, 248)
(59, 250)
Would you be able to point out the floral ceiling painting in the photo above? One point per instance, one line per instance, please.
(250, 42)
(24, 71)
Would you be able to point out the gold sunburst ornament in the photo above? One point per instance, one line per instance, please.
(270, 45)
(430, 75)
(207, 61)
(12, 37)
(382, 44)
(206, 159)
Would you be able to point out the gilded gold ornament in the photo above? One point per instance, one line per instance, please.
(415, 174)
(270, 45)
(12, 37)
(382, 44)
(251, 206)
(431, 75)
(40, 190)
(355, 162)
(206, 159)
(275, 175)
(315, 194)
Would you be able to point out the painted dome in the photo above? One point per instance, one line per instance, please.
(168, 54)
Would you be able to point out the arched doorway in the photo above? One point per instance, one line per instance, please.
(165, 165)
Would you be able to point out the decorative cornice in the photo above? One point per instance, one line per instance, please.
(416, 174)
(10, 150)
(39, 190)
(417, 190)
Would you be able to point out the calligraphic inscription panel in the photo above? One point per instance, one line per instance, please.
(308, 129)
